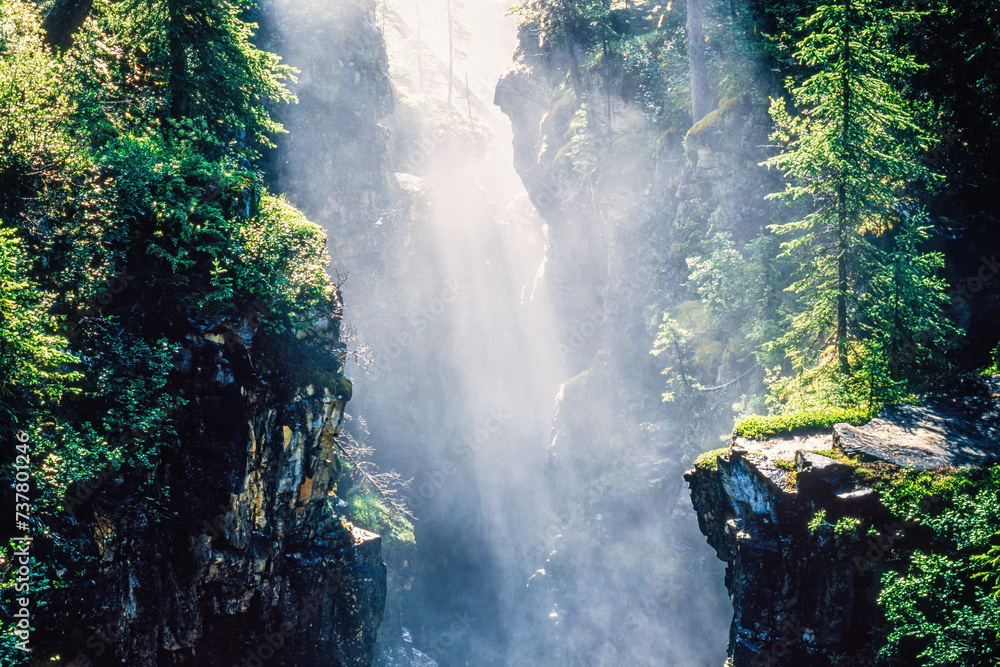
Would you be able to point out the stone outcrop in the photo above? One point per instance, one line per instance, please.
(957, 430)
(800, 595)
(249, 562)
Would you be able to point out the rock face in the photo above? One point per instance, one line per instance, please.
(623, 207)
(793, 591)
(801, 596)
(957, 430)
(249, 563)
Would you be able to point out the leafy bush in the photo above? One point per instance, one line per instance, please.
(282, 259)
(369, 511)
(938, 612)
(768, 426)
(33, 360)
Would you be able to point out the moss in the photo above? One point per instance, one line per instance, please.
(713, 120)
(369, 511)
(345, 389)
(785, 464)
(804, 421)
(710, 460)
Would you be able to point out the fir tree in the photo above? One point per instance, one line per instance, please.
(848, 157)
(903, 312)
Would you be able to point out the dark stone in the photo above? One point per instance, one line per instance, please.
(820, 476)
(800, 596)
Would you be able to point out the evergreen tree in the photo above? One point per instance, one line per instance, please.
(848, 158)
(902, 310)
(201, 54)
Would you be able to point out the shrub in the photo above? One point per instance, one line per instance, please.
(281, 260)
(369, 511)
(938, 613)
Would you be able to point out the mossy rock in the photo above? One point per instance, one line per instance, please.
(713, 124)
(345, 388)
(798, 423)
(710, 460)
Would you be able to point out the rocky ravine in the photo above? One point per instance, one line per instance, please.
(799, 595)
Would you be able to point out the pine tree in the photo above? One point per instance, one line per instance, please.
(903, 312)
(848, 158)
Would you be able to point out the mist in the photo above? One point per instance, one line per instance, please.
(494, 360)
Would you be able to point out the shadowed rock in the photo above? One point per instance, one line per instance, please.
(958, 430)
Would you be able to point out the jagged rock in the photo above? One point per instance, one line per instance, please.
(801, 596)
(951, 431)
(253, 566)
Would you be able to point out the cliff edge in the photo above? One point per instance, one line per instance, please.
(808, 526)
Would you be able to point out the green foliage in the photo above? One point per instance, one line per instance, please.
(993, 368)
(903, 315)
(282, 260)
(937, 612)
(849, 158)
(787, 465)
(34, 362)
(33, 102)
(42, 581)
(200, 57)
(671, 339)
(991, 561)
(936, 607)
(368, 510)
(805, 421)
(817, 521)
(710, 460)
(128, 392)
(847, 525)
(658, 67)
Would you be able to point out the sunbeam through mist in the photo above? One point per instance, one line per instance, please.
(440, 333)
(446, 286)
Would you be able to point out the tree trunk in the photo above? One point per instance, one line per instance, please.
(701, 102)
(574, 64)
(420, 51)
(843, 213)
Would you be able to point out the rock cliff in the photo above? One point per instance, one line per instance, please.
(803, 594)
(624, 204)
(249, 563)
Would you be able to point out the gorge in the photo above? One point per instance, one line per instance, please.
(509, 340)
